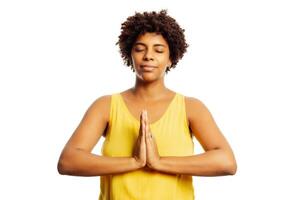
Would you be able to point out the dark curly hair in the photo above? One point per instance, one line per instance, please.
(152, 22)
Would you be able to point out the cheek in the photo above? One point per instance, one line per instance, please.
(133, 59)
(136, 57)
(164, 59)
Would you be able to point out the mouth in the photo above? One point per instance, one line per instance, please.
(148, 68)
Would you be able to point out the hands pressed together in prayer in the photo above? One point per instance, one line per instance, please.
(145, 150)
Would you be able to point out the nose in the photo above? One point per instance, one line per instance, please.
(148, 55)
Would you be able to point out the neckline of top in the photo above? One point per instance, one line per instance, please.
(155, 122)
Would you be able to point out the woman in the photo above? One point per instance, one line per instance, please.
(149, 129)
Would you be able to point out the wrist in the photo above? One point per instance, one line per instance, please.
(155, 165)
(137, 163)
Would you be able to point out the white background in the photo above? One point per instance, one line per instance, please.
(57, 57)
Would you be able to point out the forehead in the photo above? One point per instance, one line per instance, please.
(151, 39)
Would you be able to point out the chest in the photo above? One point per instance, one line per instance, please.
(155, 109)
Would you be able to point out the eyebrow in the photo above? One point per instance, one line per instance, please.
(143, 44)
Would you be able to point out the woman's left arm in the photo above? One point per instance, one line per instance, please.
(218, 158)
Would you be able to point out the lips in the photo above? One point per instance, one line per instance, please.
(148, 68)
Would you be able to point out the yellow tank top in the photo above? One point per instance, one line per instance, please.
(173, 138)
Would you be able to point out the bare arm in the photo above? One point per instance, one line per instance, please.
(82, 163)
(218, 158)
(76, 158)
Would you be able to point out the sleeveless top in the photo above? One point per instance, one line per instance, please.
(173, 138)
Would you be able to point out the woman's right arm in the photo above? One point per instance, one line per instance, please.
(76, 158)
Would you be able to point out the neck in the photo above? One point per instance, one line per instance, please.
(149, 91)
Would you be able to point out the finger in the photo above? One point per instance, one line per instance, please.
(148, 128)
(148, 133)
(145, 117)
(147, 121)
(144, 123)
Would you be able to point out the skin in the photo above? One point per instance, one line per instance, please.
(147, 101)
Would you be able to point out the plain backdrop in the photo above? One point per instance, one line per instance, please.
(57, 57)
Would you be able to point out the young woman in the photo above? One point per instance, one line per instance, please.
(149, 129)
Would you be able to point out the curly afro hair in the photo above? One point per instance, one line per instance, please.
(152, 22)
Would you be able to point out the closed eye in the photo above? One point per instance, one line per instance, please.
(139, 50)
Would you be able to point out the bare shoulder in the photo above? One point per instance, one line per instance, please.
(192, 101)
(102, 105)
(103, 100)
(194, 107)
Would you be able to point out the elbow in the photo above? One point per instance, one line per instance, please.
(61, 167)
(64, 166)
(229, 165)
(230, 168)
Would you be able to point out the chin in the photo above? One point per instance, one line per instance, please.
(148, 77)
